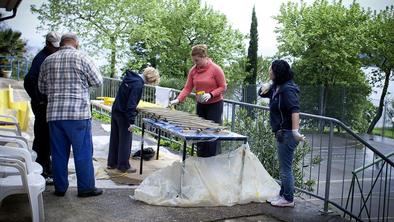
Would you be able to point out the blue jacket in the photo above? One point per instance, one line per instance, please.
(282, 104)
(129, 95)
(31, 79)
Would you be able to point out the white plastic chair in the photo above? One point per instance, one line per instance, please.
(21, 154)
(11, 121)
(20, 141)
(30, 183)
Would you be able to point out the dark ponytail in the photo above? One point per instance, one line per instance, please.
(281, 71)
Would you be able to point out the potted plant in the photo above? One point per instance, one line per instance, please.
(11, 45)
(6, 73)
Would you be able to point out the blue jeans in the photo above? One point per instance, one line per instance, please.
(78, 134)
(286, 150)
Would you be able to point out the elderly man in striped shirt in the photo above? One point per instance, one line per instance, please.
(65, 77)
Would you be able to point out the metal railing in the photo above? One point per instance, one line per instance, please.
(17, 66)
(340, 170)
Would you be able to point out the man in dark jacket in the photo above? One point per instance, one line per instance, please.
(39, 105)
(124, 111)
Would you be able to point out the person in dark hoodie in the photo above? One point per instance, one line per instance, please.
(124, 111)
(41, 142)
(284, 120)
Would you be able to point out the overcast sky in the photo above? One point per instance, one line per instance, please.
(238, 13)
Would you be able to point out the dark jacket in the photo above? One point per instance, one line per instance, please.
(31, 79)
(282, 104)
(129, 95)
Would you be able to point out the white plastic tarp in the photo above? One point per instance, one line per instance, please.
(221, 180)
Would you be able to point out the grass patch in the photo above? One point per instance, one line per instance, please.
(101, 117)
(388, 132)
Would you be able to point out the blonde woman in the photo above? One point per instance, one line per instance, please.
(209, 83)
(124, 111)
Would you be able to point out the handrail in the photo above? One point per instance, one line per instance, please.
(329, 201)
(346, 128)
(21, 64)
(375, 161)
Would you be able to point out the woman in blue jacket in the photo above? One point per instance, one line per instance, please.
(124, 111)
(284, 121)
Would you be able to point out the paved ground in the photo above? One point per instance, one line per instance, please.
(116, 205)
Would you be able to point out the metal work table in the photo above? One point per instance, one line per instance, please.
(186, 135)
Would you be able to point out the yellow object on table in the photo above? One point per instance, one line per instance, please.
(143, 104)
(106, 103)
(107, 100)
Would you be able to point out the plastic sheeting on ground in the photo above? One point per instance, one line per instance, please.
(213, 181)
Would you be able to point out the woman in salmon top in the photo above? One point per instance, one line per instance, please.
(209, 83)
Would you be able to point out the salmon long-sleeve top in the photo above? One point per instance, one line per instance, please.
(209, 79)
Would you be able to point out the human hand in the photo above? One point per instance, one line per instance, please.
(205, 97)
(131, 127)
(174, 102)
(264, 88)
(297, 135)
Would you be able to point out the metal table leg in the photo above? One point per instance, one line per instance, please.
(158, 145)
(242, 167)
(192, 149)
(142, 146)
(183, 169)
(184, 152)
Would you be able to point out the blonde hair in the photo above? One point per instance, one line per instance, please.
(200, 50)
(151, 76)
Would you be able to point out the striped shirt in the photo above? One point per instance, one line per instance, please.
(65, 77)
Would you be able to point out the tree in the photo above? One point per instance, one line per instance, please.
(177, 26)
(324, 42)
(235, 86)
(11, 43)
(250, 94)
(105, 25)
(379, 53)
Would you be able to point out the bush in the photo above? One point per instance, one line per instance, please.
(263, 144)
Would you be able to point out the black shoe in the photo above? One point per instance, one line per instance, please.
(130, 170)
(92, 193)
(59, 194)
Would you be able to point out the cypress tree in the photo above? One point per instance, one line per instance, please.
(250, 91)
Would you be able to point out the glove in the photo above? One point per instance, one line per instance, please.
(131, 127)
(264, 88)
(297, 135)
(174, 102)
(205, 97)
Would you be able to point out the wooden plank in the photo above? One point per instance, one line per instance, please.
(181, 119)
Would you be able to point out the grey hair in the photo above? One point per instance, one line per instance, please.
(69, 35)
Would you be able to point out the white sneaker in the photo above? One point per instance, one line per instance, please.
(273, 199)
(282, 202)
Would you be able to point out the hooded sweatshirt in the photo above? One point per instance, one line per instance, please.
(282, 104)
(129, 95)
(31, 78)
